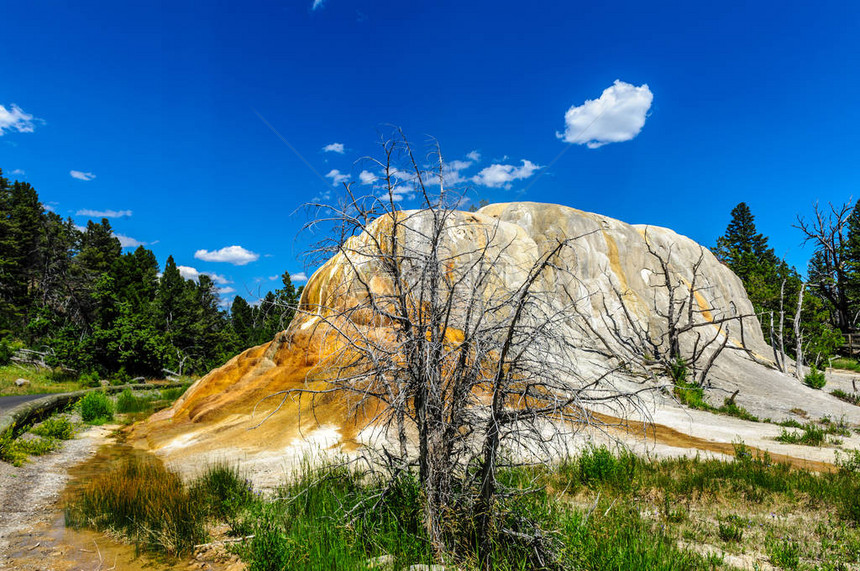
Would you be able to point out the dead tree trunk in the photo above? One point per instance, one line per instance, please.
(798, 334)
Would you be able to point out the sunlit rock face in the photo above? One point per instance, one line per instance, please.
(609, 271)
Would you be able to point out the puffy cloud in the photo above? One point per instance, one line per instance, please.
(474, 156)
(334, 148)
(299, 277)
(103, 213)
(18, 172)
(367, 177)
(337, 177)
(236, 255)
(501, 176)
(128, 241)
(317, 4)
(15, 119)
(82, 175)
(190, 273)
(226, 290)
(617, 115)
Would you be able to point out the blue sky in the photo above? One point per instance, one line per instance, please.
(151, 112)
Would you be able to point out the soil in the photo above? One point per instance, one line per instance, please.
(33, 535)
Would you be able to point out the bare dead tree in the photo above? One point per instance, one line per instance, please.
(687, 337)
(798, 335)
(436, 331)
(828, 231)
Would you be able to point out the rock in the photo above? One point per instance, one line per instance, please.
(425, 567)
(611, 269)
(21, 382)
(383, 562)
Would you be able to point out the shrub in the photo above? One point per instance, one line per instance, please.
(6, 352)
(815, 379)
(89, 380)
(58, 427)
(96, 407)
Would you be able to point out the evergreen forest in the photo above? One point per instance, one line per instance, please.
(73, 299)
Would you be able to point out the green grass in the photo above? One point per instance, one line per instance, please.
(96, 408)
(601, 510)
(852, 398)
(41, 381)
(846, 364)
(144, 502)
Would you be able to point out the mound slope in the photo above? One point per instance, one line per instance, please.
(618, 272)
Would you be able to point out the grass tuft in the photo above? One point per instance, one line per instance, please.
(96, 407)
(144, 502)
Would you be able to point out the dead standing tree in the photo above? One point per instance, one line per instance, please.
(438, 332)
(687, 336)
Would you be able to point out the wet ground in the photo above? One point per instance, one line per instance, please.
(33, 534)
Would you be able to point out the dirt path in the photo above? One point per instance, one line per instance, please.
(29, 494)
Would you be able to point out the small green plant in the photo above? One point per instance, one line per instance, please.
(784, 553)
(812, 435)
(733, 409)
(96, 407)
(852, 398)
(678, 370)
(731, 529)
(815, 379)
(59, 427)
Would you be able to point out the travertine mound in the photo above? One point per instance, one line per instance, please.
(611, 265)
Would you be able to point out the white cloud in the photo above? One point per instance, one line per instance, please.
(49, 208)
(334, 148)
(298, 277)
(317, 4)
(103, 213)
(18, 172)
(501, 176)
(367, 177)
(82, 175)
(618, 115)
(128, 241)
(236, 255)
(474, 156)
(217, 278)
(226, 290)
(15, 119)
(190, 273)
(337, 177)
